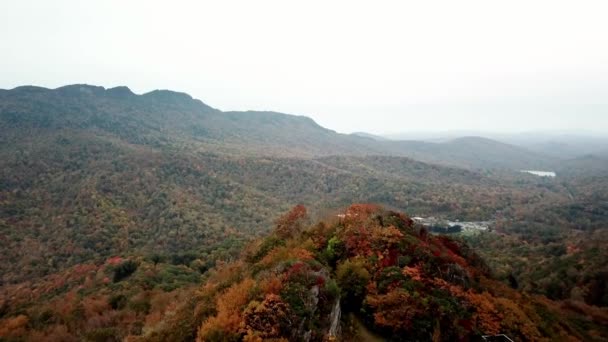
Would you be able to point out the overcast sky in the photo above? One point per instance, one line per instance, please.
(372, 66)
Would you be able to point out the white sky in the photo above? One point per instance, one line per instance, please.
(376, 66)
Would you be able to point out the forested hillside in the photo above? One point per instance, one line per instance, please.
(366, 273)
(165, 118)
(115, 206)
(89, 173)
(70, 196)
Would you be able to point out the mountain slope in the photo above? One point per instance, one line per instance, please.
(368, 272)
(162, 118)
(370, 136)
(472, 152)
(372, 271)
(74, 195)
(87, 173)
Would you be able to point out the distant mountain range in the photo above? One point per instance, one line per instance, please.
(164, 117)
(557, 144)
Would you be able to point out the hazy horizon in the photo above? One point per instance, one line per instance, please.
(377, 68)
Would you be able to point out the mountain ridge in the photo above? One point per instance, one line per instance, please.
(119, 110)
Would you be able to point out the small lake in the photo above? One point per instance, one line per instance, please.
(541, 173)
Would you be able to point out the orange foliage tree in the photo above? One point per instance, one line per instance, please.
(269, 318)
(13, 327)
(229, 320)
(291, 223)
(393, 310)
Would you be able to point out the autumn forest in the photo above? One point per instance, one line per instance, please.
(157, 217)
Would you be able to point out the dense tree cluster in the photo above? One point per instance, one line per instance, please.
(401, 282)
(70, 197)
(87, 302)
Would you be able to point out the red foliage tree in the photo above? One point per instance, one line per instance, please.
(269, 318)
(291, 223)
